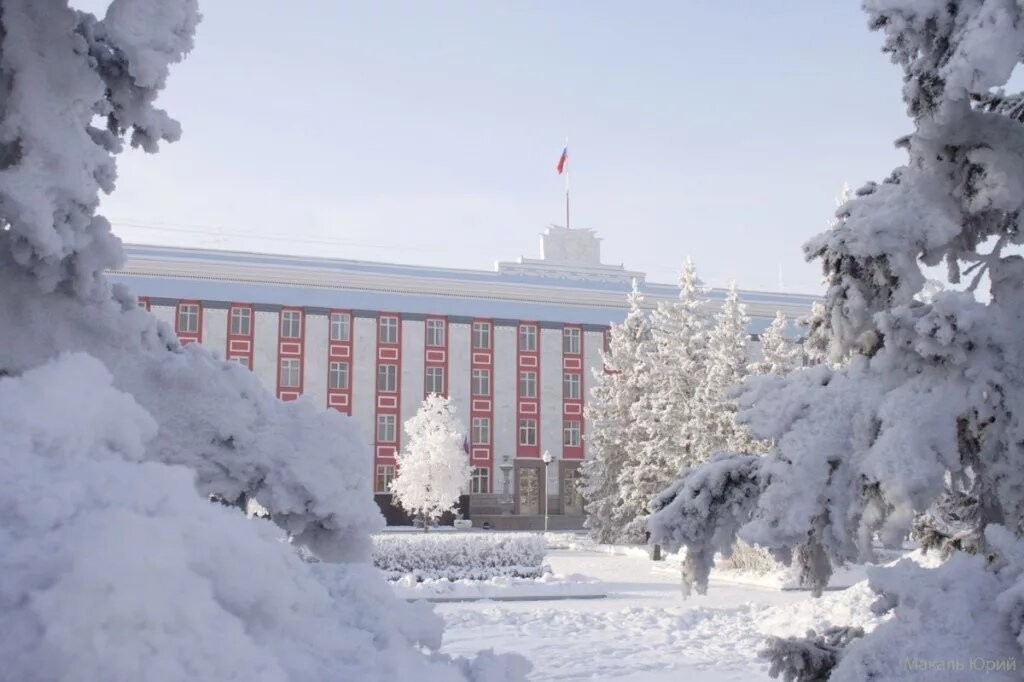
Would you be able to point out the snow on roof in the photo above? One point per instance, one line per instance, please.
(552, 294)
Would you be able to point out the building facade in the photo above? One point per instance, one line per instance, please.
(516, 348)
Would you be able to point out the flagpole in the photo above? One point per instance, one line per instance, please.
(567, 189)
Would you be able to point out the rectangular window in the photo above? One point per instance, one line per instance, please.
(385, 474)
(435, 380)
(527, 431)
(341, 327)
(482, 335)
(571, 341)
(243, 360)
(481, 382)
(386, 428)
(527, 384)
(571, 434)
(188, 318)
(241, 321)
(388, 332)
(387, 378)
(435, 333)
(338, 375)
(480, 482)
(290, 371)
(571, 386)
(291, 324)
(481, 430)
(528, 338)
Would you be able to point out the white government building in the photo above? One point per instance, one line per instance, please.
(514, 347)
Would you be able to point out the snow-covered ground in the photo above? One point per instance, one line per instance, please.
(644, 629)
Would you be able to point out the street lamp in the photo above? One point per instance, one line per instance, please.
(547, 458)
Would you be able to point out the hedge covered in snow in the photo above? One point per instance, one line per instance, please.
(459, 556)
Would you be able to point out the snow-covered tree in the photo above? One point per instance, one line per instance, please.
(113, 435)
(712, 420)
(932, 390)
(668, 369)
(434, 468)
(780, 354)
(613, 431)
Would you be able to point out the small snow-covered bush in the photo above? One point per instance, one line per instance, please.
(459, 556)
(810, 658)
(751, 559)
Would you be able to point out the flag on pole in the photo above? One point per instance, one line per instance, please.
(563, 159)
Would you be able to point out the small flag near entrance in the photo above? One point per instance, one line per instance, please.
(562, 160)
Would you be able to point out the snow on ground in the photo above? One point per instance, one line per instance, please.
(644, 630)
(547, 586)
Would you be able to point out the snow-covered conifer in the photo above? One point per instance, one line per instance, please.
(613, 430)
(713, 417)
(780, 354)
(929, 391)
(434, 468)
(122, 450)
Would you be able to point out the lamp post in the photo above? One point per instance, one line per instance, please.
(547, 458)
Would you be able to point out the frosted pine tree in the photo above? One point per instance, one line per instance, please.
(434, 468)
(712, 419)
(614, 432)
(932, 390)
(668, 370)
(780, 354)
(114, 436)
(681, 329)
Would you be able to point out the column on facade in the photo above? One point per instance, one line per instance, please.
(481, 406)
(339, 361)
(291, 340)
(240, 344)
(188, 321)
(387, 406)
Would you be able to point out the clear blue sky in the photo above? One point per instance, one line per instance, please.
(428, 132)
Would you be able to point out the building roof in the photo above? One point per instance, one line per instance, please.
(566, 290)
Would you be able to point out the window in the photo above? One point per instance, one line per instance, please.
(571, 434)
(481, 430)
(243, 360)
(337, 375)
(481, 382)
(388, 332)
(241, 321)
(435, 332)
(144, 303)
(528, 338)
(188, 318)
(435, 380)
(387, 378)
(386, 428)
(289, 373)
(482, 335)
(341, 327)
(291, 324)
(571, 386)
(527, 431)
(571, 341)
(385, 474)
(527, 384)
(480, 481)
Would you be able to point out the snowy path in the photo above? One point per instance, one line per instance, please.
(644, 630)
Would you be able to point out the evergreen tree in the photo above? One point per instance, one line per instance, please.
(434, 469)
(928, 392)
(780, 354)
(613, 429)
(712, 419)
(668, 369)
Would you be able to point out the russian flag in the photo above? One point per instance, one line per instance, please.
(562, 160)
